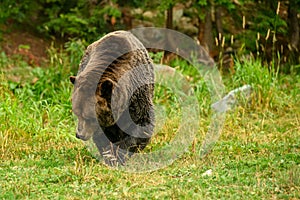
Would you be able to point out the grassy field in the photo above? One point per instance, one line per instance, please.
(256, 157)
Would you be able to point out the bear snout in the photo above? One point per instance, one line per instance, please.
(82, 137)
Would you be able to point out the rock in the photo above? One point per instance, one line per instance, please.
(148, 14)
(136, 23)
(186, 26)
(231, 99)
(177, 14)
(137, 11)
(207, 173)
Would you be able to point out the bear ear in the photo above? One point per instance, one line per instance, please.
(73, 79)
(106, 89)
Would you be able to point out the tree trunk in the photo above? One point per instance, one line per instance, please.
(169, 41)
(208, 31)
(218, 17)
(169, 23)
(293, 24)
(201, 28)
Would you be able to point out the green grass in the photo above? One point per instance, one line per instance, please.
(256, 157)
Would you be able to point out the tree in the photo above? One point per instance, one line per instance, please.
(293, 10)
(211, 23)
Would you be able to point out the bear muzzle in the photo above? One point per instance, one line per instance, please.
(82, 137)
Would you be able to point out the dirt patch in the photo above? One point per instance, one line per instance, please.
(32, 48)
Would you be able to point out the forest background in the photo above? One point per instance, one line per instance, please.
(268, 29)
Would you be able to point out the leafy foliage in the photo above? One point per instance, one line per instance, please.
(63, 18)
(17, 10)
(89, 20)
(82, 19)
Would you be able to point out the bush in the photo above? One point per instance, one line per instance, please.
(62, 18)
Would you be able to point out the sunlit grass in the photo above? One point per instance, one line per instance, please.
(256, 157)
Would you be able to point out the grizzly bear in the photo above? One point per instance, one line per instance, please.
(112, 96)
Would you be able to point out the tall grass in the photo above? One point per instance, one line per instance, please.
(35, 105)
(263, 81)
(257, 156)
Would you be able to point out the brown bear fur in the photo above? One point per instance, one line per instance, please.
(128, 123)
